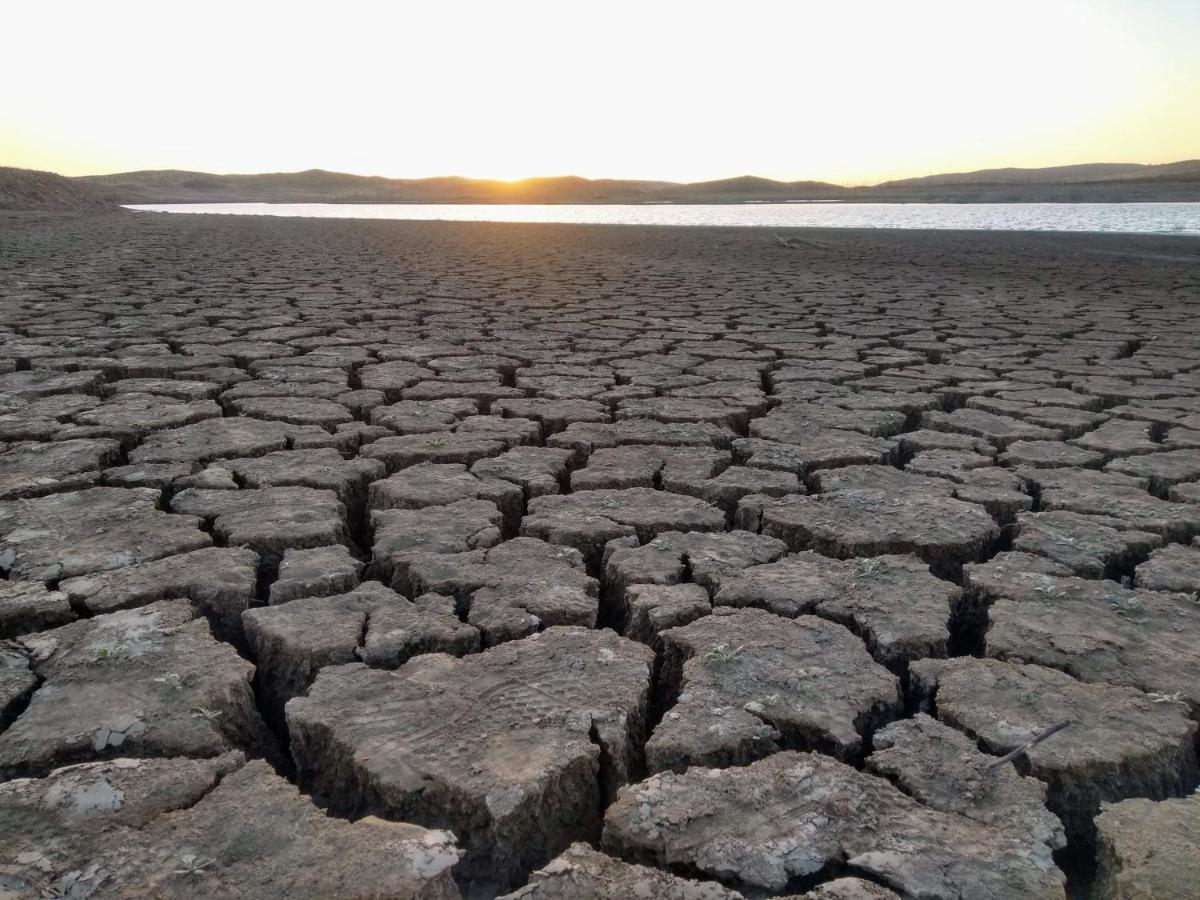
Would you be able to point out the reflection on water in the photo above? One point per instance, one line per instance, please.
(1147, 218)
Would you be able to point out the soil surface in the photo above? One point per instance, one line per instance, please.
(363, 559)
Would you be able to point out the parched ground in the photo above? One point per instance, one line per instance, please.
(382, 559)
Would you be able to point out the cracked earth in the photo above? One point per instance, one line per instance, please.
(382, 559)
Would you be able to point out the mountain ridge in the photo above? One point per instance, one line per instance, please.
(1090, 181)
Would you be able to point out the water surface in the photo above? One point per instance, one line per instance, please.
(1138, 218)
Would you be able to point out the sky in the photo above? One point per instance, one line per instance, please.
(848, 91)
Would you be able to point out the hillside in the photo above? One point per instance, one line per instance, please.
(1099, 182)
(25, 189)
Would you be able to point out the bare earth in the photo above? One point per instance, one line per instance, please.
(397, 559)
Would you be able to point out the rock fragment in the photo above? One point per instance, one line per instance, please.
(747, 683)
(511, 749)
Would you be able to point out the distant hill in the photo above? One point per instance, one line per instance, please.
(319, 186)
(1094, 182)
(25, 189)
(1047, 175)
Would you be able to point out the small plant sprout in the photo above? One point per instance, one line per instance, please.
(173, 680)
(870, 568)
(193, 865)
(608, 503)
(1157, 697)
(1046, 592)
(1130, 607)
(721, 654)
(660, 544)
(208, 715)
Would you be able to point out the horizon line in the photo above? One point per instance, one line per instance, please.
(517, 181)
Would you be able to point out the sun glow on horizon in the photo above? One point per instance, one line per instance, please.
(853, 92)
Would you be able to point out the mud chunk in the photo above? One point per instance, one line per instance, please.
(161, 476)
(66, 831)
(323, 469)
(1002, 493)
(538, 470)
(512, 749)
(212, 439)
(202, 828)
(686, 409)
(748, 683)
(391, 378)
(1050, 455)
(999, 431)
(893, 603)
(420, 417)
(553, 415)
(513, 589)
(1119, 437)
(645, 466)
(943, 769)
(1171, 568)
(17, 681)
(946, 463)
(150, 681)
(1186, 493)
(438, 485)
(585, 438)
(1090, 546)
(580, 873)
(129, 417)
(269, 520)
(1148, 849)
(35, 384)
(482, 392)
(62, 535)
(1117, 496)
(652, 608)
(925, 440)
(435, 447)
(794, 423)
(404, 629)
(727, 489)
(589, 519)
(27, 606)
(674, 557)
(402, 535)
(820, 448)
(1099, 631)
(34, 470)
(290, 643)
(178, 389)
(509, 432)
(315, 572)
(220, 581)
(1164, 470)
(293, 410)
(940, 530)
(879, 478)
(1120, 742)
(793, 814)
(850, 889)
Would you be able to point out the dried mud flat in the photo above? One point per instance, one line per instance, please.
(381, 559)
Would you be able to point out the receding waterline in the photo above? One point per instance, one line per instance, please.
(1128, 218)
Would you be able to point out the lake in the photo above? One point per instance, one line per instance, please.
(1137, 218)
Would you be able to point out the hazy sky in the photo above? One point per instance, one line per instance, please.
(852, 91)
